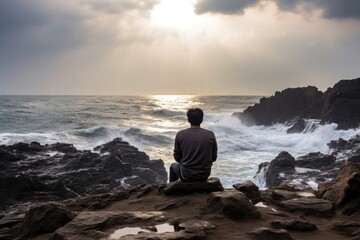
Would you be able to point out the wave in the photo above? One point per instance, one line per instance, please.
(166, 113)
(140, 136)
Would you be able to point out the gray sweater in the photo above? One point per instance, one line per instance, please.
(195, 150)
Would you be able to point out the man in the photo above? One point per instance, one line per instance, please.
(195, 150)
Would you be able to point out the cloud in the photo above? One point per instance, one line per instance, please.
(331, 9)
(224, 6)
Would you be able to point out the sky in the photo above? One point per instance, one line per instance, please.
(155, 47)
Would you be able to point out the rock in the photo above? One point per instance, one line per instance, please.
(116, 145)
(285, 106)
(298, 127)
(354, 159)
(346, 228)
(179, 187)
(97, 225)
(15, 188)
(282, 195)
(342, 104)
(344, 191)
(45, 219)
(316, 160)
(284, 163)
(309, 206)
(250, 190)
(269, 234)
(62, 147)
(8, 156)
(339, 104)
(233, 204)
(294, 224)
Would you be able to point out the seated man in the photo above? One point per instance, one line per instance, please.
(195, 150)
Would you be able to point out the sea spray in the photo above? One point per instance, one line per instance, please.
(151, 123)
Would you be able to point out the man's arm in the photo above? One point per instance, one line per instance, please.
(177, 150)
(214, 150)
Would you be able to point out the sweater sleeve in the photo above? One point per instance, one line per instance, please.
(177, 150)
(214, 150)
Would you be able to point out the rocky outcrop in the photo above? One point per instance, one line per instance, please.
(146, 212)
(339, 105)
(282, 165)
(285, 106)
(250, 190)
(316, 160)
(28, 172)
(233, 204)
(178, 187)
(344, 191)
(282, 170)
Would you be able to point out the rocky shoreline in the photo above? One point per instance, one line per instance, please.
(58, 192)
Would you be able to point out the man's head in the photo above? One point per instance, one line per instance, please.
(195, 116)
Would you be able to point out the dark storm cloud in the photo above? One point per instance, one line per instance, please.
(223, 6)
(118, 7)
(337, 9)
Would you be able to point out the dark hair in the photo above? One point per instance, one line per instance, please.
(195, 116)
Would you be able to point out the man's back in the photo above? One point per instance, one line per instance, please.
(195, 150)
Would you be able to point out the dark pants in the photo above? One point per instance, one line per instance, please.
(174, 172)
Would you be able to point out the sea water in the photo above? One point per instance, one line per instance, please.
(150, 123)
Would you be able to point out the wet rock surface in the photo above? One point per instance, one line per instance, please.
(33, 172)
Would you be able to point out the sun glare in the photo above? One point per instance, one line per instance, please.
(178, 14)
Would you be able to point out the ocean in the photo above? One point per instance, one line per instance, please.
(150, 123)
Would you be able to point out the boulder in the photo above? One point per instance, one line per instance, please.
(284, 163)
(344, 191)
(294, 225)
(316, 160)
(269, 234)
(98, 225)
(309, 206)
(179, 187)
(250, 190)
(45, 219)
(233, 204)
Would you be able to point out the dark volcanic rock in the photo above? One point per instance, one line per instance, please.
(342, 104)
(284, 106)
(344, 191)
(233, 204)
(284, 163)
(28, 171)
(316, 160)
(339, 104)
(45, 219)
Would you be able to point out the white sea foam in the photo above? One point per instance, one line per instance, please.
(90, 121)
